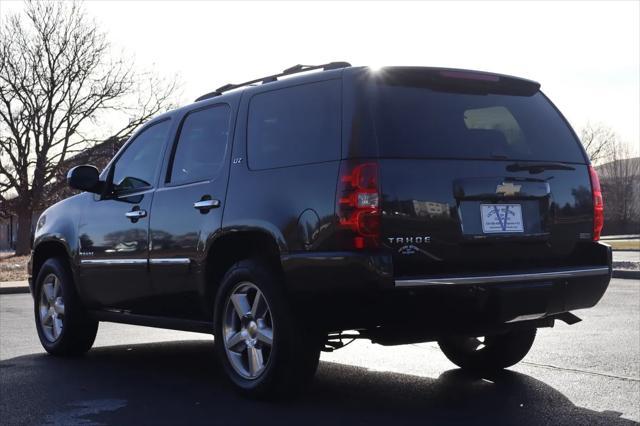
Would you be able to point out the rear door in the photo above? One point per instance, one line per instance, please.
(478, 172)
(187, 209)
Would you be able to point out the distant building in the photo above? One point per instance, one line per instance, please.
(620, 182)
(430, 208)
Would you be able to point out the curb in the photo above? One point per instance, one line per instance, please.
(14, 290)
(625, 273)
(620, 237)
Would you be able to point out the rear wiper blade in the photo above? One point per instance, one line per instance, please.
(538, 167)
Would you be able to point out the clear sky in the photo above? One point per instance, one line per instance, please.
(585, 54)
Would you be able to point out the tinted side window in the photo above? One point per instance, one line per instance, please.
(296, 125)
(136, 167)
(201, 147)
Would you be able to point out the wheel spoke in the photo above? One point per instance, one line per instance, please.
(57, 327)
(259, 308)
(48, 291)
(57, 288)
(265, 335)
(236, 343)
(45, 317)
(241, 304)
(255, 360)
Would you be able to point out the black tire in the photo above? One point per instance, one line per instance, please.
(78, 330)
(291, 360)
(495, 353)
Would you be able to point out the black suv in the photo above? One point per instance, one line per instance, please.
(291, 213)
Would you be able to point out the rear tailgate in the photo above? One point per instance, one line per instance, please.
(478, 172)
(439, 216)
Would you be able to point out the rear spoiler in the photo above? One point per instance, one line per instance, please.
(456, 80)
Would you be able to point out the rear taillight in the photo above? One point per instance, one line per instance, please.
(598, 204)
(358, 204)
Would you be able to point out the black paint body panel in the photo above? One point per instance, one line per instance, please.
(436, 200)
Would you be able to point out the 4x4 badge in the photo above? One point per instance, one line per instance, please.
(508, 188)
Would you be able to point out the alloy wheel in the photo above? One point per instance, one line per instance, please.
(51, 308)
(248, 330)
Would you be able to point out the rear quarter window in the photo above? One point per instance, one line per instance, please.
(295, 125)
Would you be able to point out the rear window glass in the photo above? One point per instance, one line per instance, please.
(293, 126)
(414, 122)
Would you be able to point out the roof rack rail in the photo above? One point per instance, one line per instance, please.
(268, 79)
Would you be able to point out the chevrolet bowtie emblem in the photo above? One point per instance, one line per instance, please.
(508, 188)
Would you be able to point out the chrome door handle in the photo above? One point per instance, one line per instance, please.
(136, 214)
(206, 204)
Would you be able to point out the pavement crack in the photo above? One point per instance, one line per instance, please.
(577, 370)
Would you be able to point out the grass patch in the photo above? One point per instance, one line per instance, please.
(624, 244)
(13, 268)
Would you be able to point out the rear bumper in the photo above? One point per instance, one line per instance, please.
(519, 277)
(514, 297)
(361, 291)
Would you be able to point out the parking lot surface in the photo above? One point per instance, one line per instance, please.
(588, 373)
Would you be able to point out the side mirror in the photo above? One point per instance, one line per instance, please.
(85, 178)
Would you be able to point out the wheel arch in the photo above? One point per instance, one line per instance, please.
(48, 248)
(232, 247)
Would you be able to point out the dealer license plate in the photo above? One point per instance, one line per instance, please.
(501, 218)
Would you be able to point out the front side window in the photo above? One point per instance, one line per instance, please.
(202, 144)
(136, 167)
(293, 126)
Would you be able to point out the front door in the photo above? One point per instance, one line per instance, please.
(187, 210)
(114, 230)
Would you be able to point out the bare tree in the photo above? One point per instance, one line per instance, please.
(58, 79)
(597, 140)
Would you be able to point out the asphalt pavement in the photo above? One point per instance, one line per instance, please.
(588, 373)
